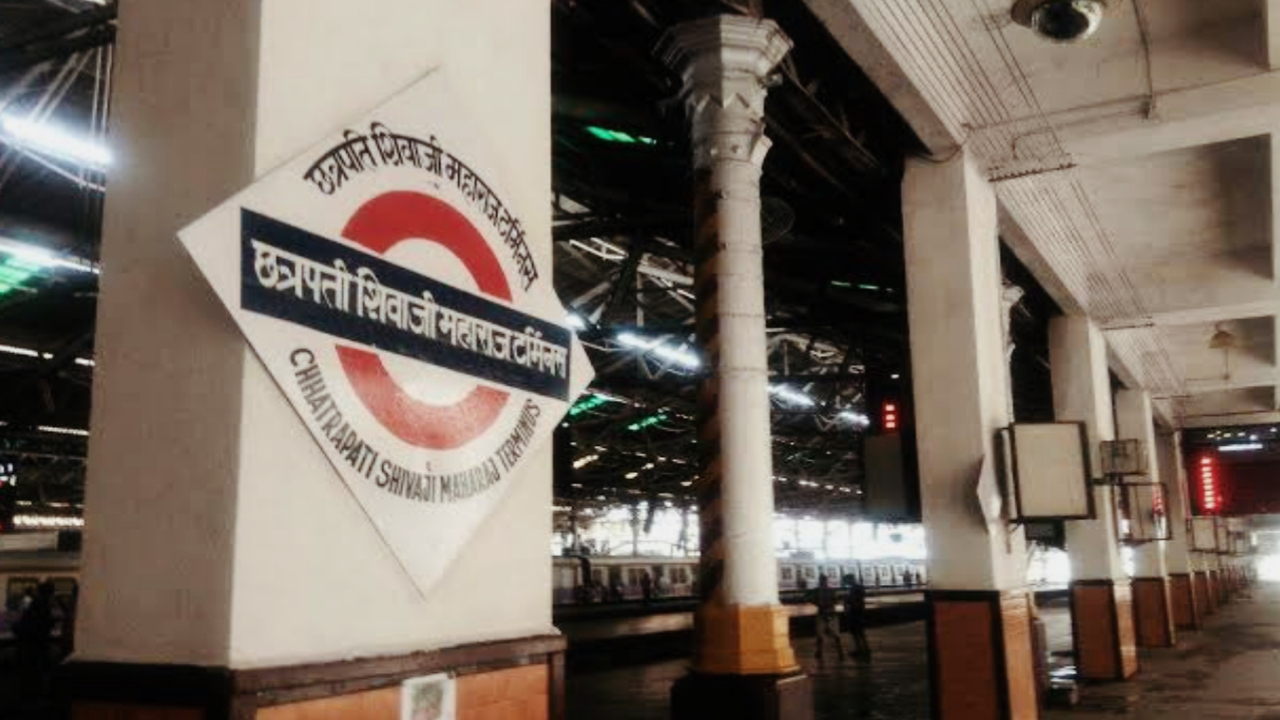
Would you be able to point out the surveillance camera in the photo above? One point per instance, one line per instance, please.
(1063, 21)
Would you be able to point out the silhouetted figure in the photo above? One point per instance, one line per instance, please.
(646, 587)
(31, 634)
(824, 597)
(855, 616)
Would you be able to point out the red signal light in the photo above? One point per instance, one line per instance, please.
(1210, 499)
(889, 417)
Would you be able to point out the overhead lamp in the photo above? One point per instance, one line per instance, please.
(34, 257)
(48, 521)
(617, 136)
(51, 140)
(1240, 447)
(681, 356)
(795, 397)
(62, 430)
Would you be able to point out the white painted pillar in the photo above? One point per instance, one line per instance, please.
(961, 381)
(725, 62)
(1101, 596)
(217, 533)
(1082, 393)
(977, 566)
(1174, 475)
(1134, 422)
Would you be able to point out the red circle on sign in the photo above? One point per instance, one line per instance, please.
(379, 225)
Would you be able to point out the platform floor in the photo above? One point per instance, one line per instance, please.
(1230, 671)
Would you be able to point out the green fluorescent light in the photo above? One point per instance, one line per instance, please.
(868, 287)
(588, 403)
(618, 136)
(14, 272)
(647, 422)
(841, 283)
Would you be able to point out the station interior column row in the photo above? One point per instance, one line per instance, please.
(1152, 612)
(979, 628)
(1101, 597)
(1187, 609)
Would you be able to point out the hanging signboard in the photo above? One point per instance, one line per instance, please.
(386, 281)
(1046, 470)
(1204, 536)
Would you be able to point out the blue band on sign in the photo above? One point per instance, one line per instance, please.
(302, 278)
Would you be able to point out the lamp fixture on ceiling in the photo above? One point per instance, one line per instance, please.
(1223, 340)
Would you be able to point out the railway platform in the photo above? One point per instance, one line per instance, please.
(1224, 672)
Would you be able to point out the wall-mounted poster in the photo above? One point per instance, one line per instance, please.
(432, 697)
(392, 290)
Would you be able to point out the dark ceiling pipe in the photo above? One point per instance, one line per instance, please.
(38, 53)
(59, 28)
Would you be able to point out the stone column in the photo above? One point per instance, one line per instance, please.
(1101, 597)
(222, 553)
(979, 629)
(743, 644)
(1182, 594)
(1152, 613)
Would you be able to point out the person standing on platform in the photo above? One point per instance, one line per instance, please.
(855, 615)
(825, 599)
(646, 587)
(32, 633)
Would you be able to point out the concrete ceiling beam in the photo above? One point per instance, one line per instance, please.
(1192, 420)
(1209, 313)
(1190, 117)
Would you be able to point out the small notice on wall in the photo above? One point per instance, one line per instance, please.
(429, 698)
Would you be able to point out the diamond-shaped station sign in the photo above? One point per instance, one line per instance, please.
(386, 281)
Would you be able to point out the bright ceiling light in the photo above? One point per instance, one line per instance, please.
(53, 141)
(39, 257)
(62, 430)
(682, 356)
(795, 397)
(1240, 447)
(12, 350)
(856, 418)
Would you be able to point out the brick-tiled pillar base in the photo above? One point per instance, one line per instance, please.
(1152, 614)
(1182, 598)
(1102, 627)
(980, 655)
(512, 680)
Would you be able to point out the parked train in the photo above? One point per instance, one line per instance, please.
(611, 578)
(620, 578)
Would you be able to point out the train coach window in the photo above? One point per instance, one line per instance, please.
(810, 572)
(682, 576)
(788, 573)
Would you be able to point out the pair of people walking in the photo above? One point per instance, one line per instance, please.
(855, 615)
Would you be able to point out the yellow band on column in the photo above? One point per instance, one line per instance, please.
(744, 640)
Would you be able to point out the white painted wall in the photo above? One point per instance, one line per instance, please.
(217, 532)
